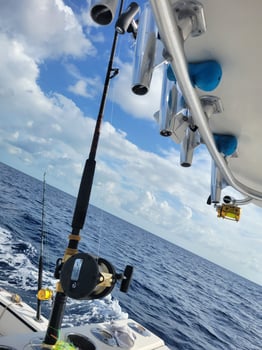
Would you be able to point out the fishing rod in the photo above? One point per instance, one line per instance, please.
(70, 269)
(40, 263)
(42, 294)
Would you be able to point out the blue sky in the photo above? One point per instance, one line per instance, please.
(53, 62)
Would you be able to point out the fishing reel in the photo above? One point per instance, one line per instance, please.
(229, 210)
(84, 277)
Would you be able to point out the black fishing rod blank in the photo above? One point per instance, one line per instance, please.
(42, 294)
(40, 263)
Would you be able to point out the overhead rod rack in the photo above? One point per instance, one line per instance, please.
(171, 37)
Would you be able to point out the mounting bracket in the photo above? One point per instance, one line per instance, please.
(190, 18)
(211, 105)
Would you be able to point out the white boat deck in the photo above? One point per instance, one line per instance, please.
(16, 317)
(19, 330)
(93, 337)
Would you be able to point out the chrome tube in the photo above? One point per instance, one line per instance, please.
(243, 201)
(144, 52)
(171, 37)
(216, 183)
(126, 18)
(103, 11)
(189, 143)
(168, 106)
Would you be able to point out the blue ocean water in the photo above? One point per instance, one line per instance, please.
(191, 303)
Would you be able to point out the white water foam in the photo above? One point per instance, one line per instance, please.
(93, 311)
(20, 271)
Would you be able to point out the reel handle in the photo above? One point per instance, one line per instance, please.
(126, 279)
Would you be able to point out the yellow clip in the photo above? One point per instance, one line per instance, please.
(229, 212)
(44, 294)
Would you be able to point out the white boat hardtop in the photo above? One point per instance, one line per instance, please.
(231, 39)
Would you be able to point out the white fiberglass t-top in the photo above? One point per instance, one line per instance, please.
(211, 84)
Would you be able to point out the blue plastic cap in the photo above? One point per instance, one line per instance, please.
(226, 144)
(204, 75)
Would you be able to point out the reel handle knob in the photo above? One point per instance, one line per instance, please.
(127, 277)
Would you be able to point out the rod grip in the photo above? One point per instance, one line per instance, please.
(54, 326)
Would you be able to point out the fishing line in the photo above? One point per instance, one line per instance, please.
(100, 232)
(112, 104)
(118, 61)
(113, 85)
(48, 260)
(43, 294)
(45, 232)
